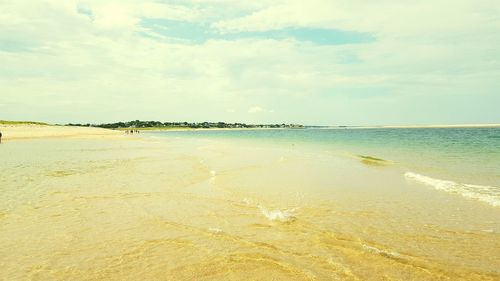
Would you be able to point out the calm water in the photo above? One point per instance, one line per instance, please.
(470, 153)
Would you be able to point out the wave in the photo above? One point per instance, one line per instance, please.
(487, 194)
(215, 230)
(385, 253)
(278, 215)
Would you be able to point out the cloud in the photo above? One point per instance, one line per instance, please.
(258, 109)
(198, 33)
(383, 18)
(313, 61)
(255, 109)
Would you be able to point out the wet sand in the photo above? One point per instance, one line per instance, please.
(142, 208)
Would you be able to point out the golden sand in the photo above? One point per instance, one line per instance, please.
(15, 132)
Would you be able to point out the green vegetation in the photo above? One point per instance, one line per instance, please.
(5, 122)
(370, 160)
(157, 125)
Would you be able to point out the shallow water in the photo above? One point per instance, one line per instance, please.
(467, 157)
(184, 208)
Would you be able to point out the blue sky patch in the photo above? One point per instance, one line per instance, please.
(197, 33)
(85, 10)
(16, 46)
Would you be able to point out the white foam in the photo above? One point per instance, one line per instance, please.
(278, 215)
(487, 194)
(215, 230)
(381, 252)
(247, 201)
(213, 176)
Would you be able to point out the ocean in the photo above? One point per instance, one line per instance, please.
(455, 160)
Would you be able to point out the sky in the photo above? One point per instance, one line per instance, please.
(314, 62)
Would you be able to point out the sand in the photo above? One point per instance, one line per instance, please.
(16, 132)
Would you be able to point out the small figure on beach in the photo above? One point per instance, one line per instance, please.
(131, 132)
(0, 137)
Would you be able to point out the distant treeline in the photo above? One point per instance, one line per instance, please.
(158, 124)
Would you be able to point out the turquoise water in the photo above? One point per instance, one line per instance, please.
(461, 155)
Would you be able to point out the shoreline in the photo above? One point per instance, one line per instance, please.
(35, 131)
(183, 129)
(156, 129)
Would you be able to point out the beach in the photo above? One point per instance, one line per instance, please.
(32, 131)
(95, 204)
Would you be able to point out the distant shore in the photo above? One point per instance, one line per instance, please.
(16, 131)
(183, 129)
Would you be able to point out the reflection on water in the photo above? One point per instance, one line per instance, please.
(214, 210)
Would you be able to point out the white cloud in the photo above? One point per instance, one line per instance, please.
(255, 109)
(381, 17)
(120, 14)
(68, 66)
(258, 109)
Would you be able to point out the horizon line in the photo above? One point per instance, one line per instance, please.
(309, 125)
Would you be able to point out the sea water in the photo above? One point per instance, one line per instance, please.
(456, 160)
(253, 205)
